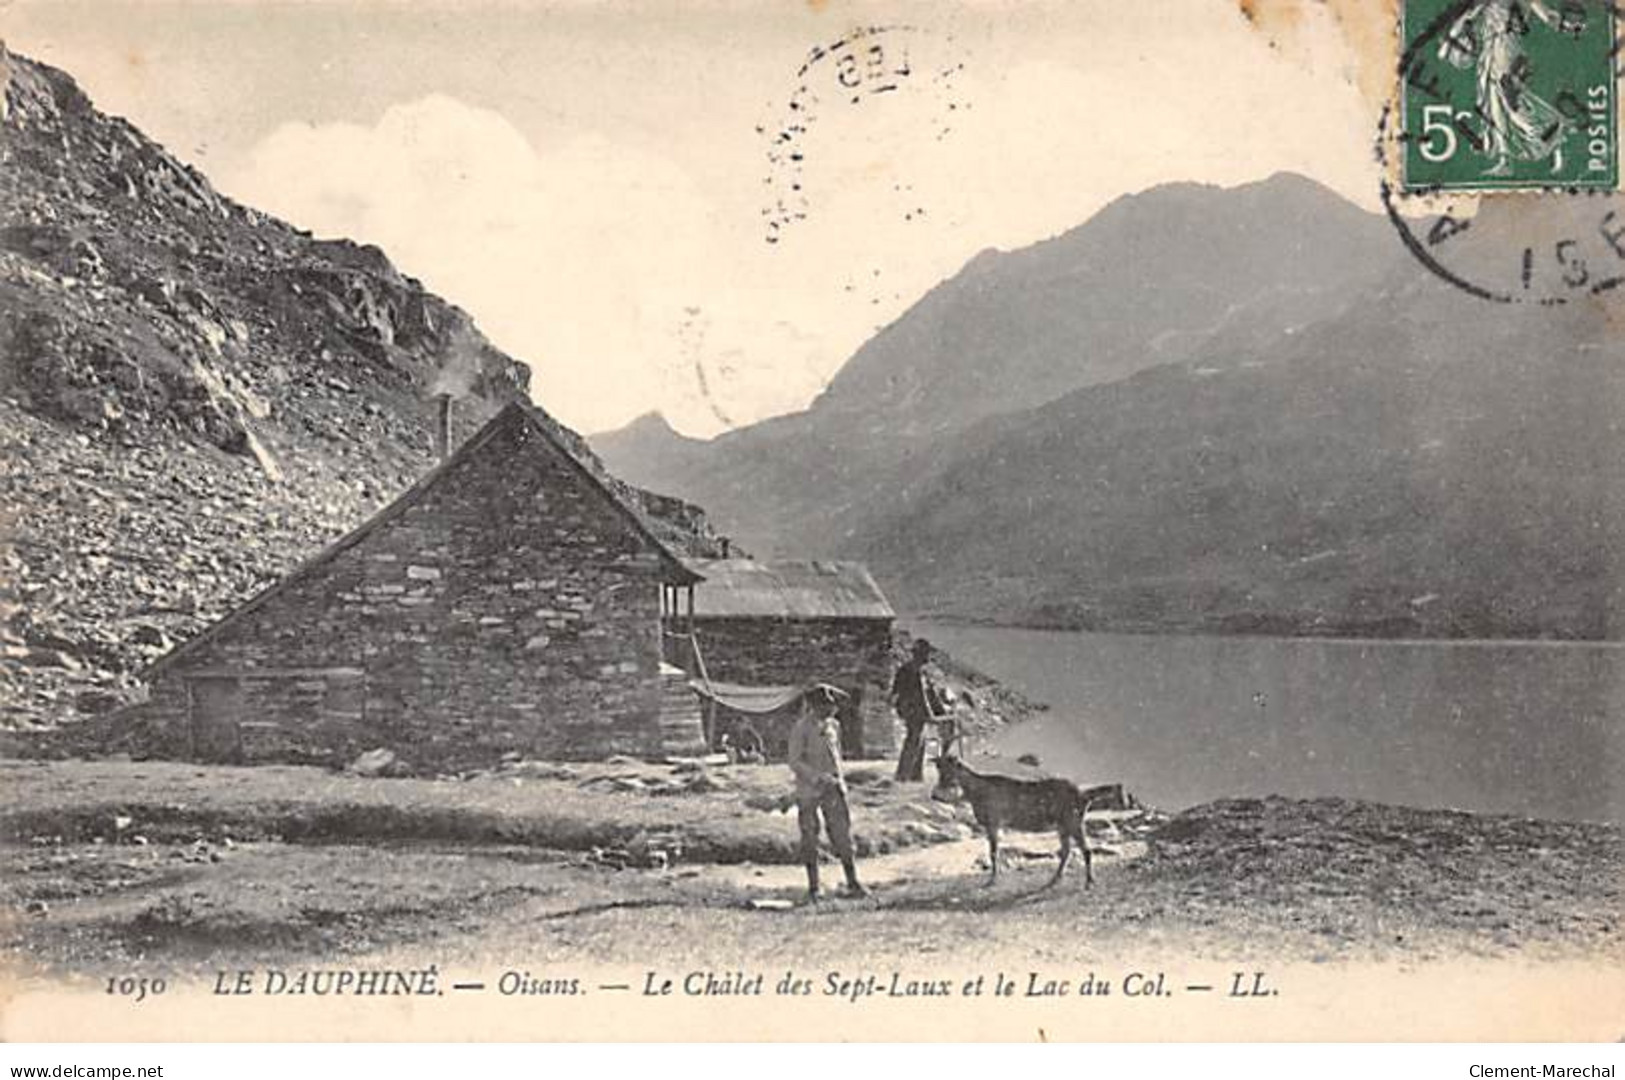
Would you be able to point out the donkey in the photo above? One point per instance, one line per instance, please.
(1033, 805)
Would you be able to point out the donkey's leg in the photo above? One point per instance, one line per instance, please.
(992, 852)
(1066, 853)
(1082, 833)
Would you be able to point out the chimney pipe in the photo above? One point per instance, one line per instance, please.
(727, 546)
(442, 427)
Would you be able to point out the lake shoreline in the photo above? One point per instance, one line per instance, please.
(1181, 719)
(910, 619)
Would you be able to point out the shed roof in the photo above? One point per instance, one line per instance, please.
(779, 589)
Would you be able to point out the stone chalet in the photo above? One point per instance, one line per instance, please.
(509, 601)
(762, 628)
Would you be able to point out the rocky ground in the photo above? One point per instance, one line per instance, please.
(176, 868)
(194, 397)
(115, 555)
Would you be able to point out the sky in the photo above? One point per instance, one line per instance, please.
(673, 207)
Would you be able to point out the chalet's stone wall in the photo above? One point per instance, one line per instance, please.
(510, 607)
(854, 654)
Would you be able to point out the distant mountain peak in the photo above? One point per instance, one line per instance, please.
(652, 428)
(1288, 179)
(653, 421)
(648, 438)
(983, 259)
(1283, 189)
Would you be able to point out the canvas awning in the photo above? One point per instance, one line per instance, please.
(748, 699)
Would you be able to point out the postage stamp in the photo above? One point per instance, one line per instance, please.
(1509, 94)
(1499, 148)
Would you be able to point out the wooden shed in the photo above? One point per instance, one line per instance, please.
(751, 627)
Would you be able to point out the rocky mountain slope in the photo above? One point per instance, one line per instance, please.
(1354, 487)
(194, 397)
(1385, 456)
(1142, 282)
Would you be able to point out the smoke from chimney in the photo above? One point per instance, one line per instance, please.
(460, 363)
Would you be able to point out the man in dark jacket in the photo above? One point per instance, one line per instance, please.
(917, 702)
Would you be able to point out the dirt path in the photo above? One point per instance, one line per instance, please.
(912, 865)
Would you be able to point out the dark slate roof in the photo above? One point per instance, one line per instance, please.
(675, 571)
(780, 589)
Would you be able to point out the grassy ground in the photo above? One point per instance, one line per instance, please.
(727, 814)
(147, 866)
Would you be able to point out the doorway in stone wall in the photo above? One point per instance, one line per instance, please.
(216, 718)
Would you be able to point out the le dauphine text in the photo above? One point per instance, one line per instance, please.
(851, 986)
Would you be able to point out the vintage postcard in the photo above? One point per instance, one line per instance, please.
(717, 520)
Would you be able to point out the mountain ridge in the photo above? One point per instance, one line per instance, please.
(988, 515)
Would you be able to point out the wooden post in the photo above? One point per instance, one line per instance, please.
(689, 626)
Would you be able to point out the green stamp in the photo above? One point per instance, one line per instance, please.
(1508, 94)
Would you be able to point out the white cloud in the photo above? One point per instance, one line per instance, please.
(629, 267)
(578, 261)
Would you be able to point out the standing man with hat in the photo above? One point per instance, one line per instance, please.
(815, 758)
(917, 702)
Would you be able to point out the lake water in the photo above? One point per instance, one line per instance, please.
(1523, 728)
